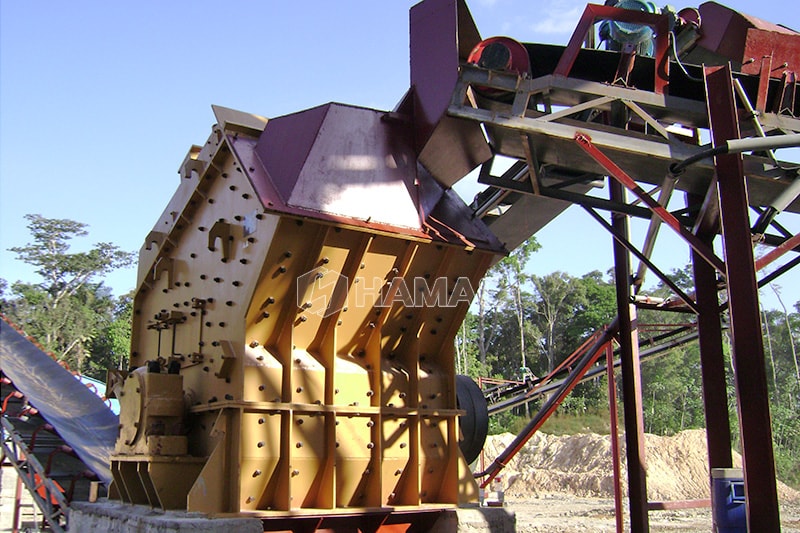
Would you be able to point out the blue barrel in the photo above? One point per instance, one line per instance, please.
(727, 500)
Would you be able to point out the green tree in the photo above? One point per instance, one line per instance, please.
(68, 308)
(66, 273)
(596, 309)
(557, 296)
(111, 347)
(510, 276)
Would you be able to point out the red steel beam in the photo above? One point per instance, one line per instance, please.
(585, 142)
(588, 358)
(778, 251)
(631, 373)
(593, 12)
(745, 323)
(682, 504)
(712, 360)
(615, 462)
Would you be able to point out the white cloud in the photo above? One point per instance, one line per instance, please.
(557, 21)
(527, 20)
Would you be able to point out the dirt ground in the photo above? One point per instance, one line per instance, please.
(565, 483)
(562, 513)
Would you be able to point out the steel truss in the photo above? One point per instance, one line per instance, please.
(568, 135)
(48, 497)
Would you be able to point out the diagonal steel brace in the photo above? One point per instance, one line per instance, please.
(585, 142)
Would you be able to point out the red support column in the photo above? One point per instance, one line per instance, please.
(631, 376)
(17, 504)
(612, 409)
(712, 362)
(747, 344)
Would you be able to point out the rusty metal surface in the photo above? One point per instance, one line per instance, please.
(442, 34)
(354, 166)
(631, 372)
(729, 35)
(592, 13)
(82, 419)
(709, 325)
(747, 343)
(645, 157)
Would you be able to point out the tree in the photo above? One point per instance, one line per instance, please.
(486, 330)
(777, 292)
(111, 348)
(510, 276)
(68, 308)
(595, 309)
(66, 273)
(558, 293)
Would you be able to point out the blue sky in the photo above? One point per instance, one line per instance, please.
(100, 101)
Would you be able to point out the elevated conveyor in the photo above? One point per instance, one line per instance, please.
(503, 395)
(56, 432)
(573, 119)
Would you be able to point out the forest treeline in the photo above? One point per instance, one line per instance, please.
(519, 323)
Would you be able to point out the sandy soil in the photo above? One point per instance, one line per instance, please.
(554, 513)
(580, 465)
(565, 483)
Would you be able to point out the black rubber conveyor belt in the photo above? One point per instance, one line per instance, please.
(82, 419)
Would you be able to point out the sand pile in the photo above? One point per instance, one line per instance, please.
(677, 466)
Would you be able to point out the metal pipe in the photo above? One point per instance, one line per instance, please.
(737, 85)
(737, 146)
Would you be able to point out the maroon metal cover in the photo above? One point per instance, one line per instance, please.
(442, 36)
(355, 166)
(438, 43)
(742, 38)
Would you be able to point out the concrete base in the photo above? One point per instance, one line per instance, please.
(494, 519)
(115, 517)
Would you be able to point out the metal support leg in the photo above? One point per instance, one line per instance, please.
(17, 505)
(748, 349)
(715, 400)
(612, 410)
(631, 376)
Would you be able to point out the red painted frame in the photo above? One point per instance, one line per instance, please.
(747, 351)
(594, 12)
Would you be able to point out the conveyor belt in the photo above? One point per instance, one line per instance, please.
(82, 419)
(503, 397)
